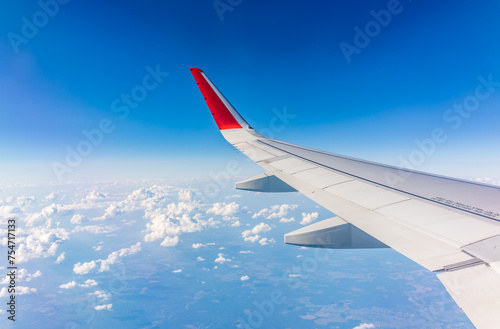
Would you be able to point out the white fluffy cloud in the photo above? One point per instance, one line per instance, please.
(113, 258)
(84, 268)
(29, 277)
(276, 211)
(177, 271)
(77, 219)
(224, 209)
(253, 234)
(39, 242)
(68, 285)
(170, 242)
(221, 259)
(24, 290)
(61, 257)
(488, 180)
(22, 275)
(116, 256)
(43, 215)
(245, 278)
(170, 221)
(106, 307)
(185, 195)
(252, 238)
(308, 218)
(266, 241)
(364, 326)
(95, 195)
(139, 199)
(88, 283)
(100, 294)
(287, 220)
(20, 290)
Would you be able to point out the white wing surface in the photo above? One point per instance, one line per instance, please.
(447, 225)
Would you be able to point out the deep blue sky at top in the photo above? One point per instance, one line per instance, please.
(262, 55)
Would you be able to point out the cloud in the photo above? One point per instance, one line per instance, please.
(266, 241)
(177, 271)
(224, 209)
(94, 229)
(101, 294)
(252, 238)
(185, 195)
(170, 242)
(308, 218)
(260, 228)
(173, 220)
(44, 214)
(106, 307)
(245, 278)
(95, 195)
(51, 197)
(140, 199)
(365, 326)
(308, 317)
(198, 245)
(113, 258)
(287, 220)
(276, 211)
(77, 219)
(40, 242)
(200, 259)
(68, 285)
(60, 258)
(220, 259)
(20, 290)
(10, 211)
(253, 234)
(22, 275)
(84, 268)
(488, 180)
(116, 256)
(88, 283)
(246, 252)
(29, 277)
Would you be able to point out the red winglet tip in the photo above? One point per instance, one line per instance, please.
(223, 117)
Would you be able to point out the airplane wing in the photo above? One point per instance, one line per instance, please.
(447, 225)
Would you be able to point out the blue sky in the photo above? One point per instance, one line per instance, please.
(263, 56)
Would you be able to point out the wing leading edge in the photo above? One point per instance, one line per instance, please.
(449, 226)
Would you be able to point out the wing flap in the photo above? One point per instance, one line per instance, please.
(476, 290)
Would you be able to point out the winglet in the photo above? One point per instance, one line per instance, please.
(225, 115)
